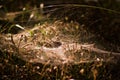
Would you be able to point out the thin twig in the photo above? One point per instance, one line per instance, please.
(14, 45)
(13, 41)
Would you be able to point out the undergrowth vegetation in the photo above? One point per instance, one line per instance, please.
(13, 68)
(31, 27)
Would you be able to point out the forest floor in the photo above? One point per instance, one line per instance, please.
(75, 44)
(58, 44)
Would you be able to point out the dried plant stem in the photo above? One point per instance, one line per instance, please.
(100, 51)
(14, 45)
